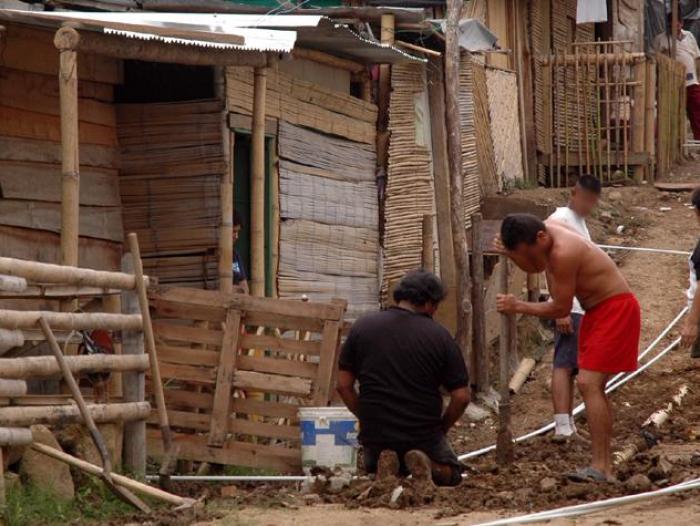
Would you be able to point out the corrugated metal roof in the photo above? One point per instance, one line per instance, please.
(262, 32)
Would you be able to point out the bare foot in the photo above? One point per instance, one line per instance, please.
(388, 464)
(419, 466)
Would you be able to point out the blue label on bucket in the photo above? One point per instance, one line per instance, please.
(343, 431)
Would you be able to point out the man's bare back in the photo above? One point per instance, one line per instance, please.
(596, 276)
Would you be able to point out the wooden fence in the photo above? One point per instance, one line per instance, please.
(671, 102)
(236, 369)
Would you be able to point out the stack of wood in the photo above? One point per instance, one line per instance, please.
(170, 171)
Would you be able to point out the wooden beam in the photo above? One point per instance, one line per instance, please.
(257, 191)
(328, 60)
(481, 359)
(225, 194)
(66, 43)
(154, 51)
(504, 443)
(64, 414)
(454, 158)
(46, 366)
(11, 319)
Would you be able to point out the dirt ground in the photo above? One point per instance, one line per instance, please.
(636, 216)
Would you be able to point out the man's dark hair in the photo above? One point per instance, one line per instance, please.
(590, 183)
(695, 199)
(520, 228)
(419, 287)
(237, 219)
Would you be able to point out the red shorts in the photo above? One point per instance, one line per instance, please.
(609, 335)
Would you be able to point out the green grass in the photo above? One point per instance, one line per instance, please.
(33, 506)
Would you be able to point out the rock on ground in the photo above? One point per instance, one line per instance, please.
(638, 482)
(44, 472)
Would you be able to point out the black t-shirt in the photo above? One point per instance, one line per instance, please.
(401, 360)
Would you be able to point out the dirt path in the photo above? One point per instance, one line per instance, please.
(650, 219)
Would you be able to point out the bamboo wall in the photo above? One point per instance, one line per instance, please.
(671, 114)
(30, 152)
(328, 214)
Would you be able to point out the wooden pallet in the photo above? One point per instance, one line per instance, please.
(237, 368)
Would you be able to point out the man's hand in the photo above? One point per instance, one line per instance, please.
(497, 245)
(689, 334)
(565, 325)
(506, 303)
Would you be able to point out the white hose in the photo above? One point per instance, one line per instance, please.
(233, 478)
(612, 384)
(592, 507)
(644, 249)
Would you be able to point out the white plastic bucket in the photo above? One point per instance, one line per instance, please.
(328, 438)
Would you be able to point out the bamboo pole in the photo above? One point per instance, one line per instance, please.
(427, 259)
(257, 190)
(9, 339)
(15, 436)
(618, 113)
(480, 349)
(625, 130)
(49, 273)
(150, 343)
(10, 388)
(566, 126)
(579, 123)
(638, 117)
(586, 109)
(597, 131)
(454, 153)
(11, 319)
(597, 58)
(225, 193)
(66, 43)
(504, 443)
(674, 24)
(113, 305)
(384, 99)
(97, 438)
(133, 384)
(121, 480)
(45, 366)
(555, 179)
(608, 135)
(521, 374)
(21, 416)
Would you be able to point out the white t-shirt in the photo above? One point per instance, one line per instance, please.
(687, 52)
(571, 218)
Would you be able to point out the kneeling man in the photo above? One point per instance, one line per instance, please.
(401, 358)
(609, 333)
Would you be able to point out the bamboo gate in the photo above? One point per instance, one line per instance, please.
(598, 115)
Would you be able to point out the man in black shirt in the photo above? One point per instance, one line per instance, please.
(401, 358)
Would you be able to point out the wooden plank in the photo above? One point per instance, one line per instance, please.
(188, 311)
(42, 182)
(329, 352)
(39, 93)
(18, 149)
(179, 398)
(264, 319)
(577, 159)
(236, 121)
(272, 343)
(188, 373)
(258, 407)
(44, 247)
(33, 125)
(279, 366)
(184, 333)
(675, 187)
(193, 447)
(23, 42)
(270, 383)
(263, 429)
(196, 421)
(225, 378)
(96, 222)
(187, 356)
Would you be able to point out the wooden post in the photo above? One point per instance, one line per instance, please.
(67, 41)
(480, 350)
(639, 116)
(674, 23)
(649, 124)
(454, 157)
(150, 342)
(427, 253)
(133, 385)
(384, 93)
(225, 193)
(504, 444)
(257, 191)
(112, 303)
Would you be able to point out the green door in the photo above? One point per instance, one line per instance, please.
(241, 203)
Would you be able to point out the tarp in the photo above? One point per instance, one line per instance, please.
(588, 11)
(473, 35)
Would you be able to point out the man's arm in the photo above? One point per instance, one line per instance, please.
(459, 400)
(345, 385)
(562, 288)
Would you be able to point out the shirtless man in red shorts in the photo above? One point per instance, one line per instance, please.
(609, 334)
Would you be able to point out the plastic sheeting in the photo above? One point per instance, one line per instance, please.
(591, 11)
(473, 35)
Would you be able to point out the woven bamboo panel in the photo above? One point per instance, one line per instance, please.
(477, 142)
(329, 240)
(505, 124)
(538, 23)
(671, 120)
(409, 189)
(169, 177)
(304, 104)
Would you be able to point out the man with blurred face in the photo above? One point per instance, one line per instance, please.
(609, 333)
(584, 197)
